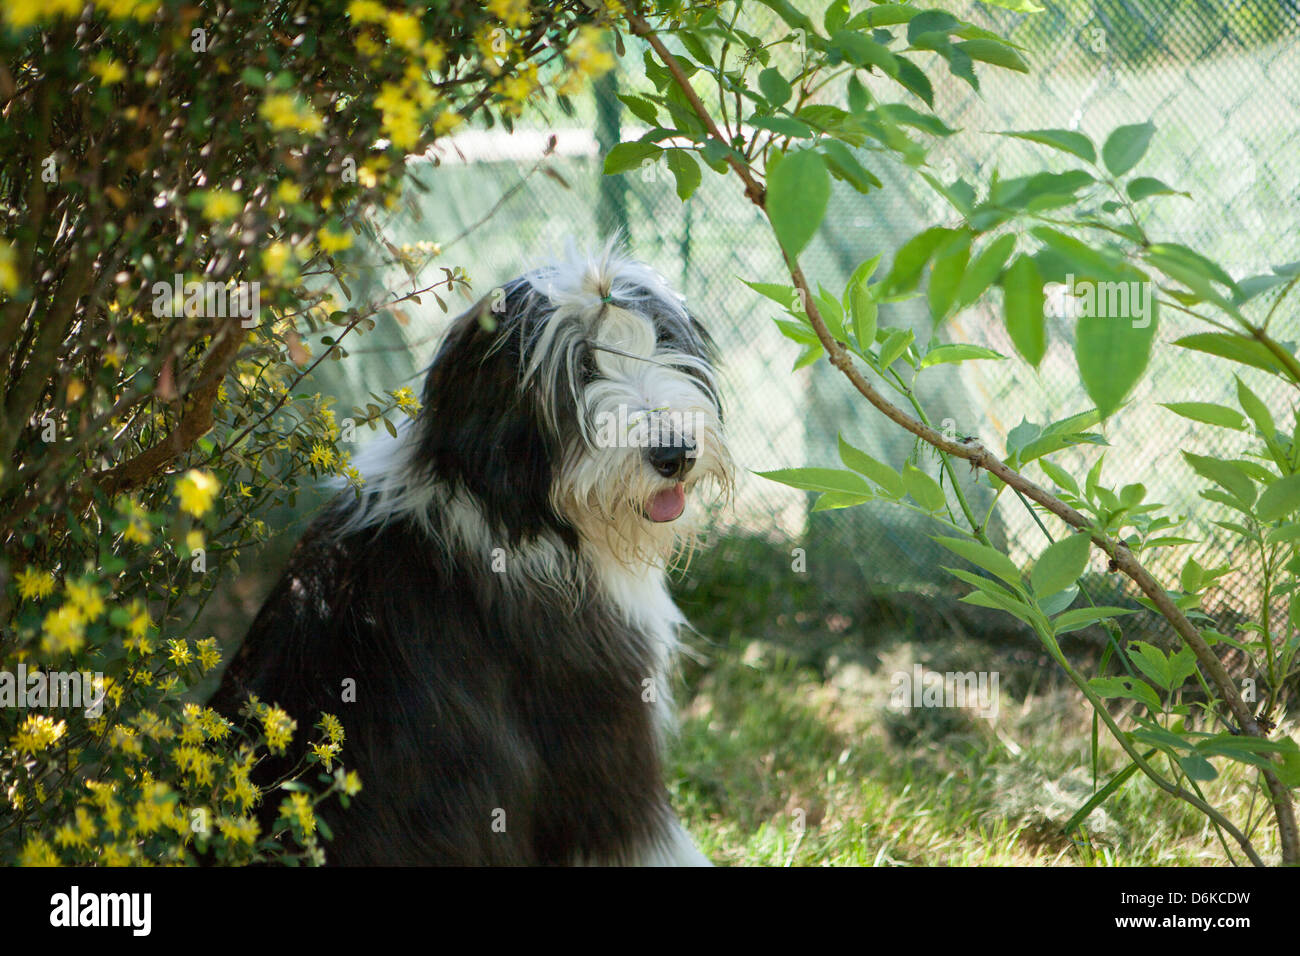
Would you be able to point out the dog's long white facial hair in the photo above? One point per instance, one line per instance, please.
(642, 384)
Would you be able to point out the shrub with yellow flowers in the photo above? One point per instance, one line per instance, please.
(180, 189)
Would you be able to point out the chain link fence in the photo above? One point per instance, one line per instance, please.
(1221, 81)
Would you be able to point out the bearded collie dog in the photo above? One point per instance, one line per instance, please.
(495, 594)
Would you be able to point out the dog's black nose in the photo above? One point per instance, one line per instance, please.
(674, 460)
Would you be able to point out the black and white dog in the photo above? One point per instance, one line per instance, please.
(498, 594)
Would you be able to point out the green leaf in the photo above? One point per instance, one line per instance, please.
(1022, 304)
(994, 52)
(1208, 413)
(774, 86)
(1019, 6)
(862, 51)
(1235, 348)
(890, 481)
(1059, 475)
(885, 15)
(1068, 141)
(959, 352)
(1060, 565)
(1015, 607)
(1082, 617)
(627, 156)
(1144, 187)
(834, 500)
(783, 295)
(820, 479)
(1224, 474)
(788, 12)
(1197, 767)
(783, 125)
(1254, 406)
(864, 311)
(945, 275)
(641, 108)
(925, 490)
(1152, 662)
(894, 346)
(844, 166)
(910, 260)
(995, 562)
(1112, 354)
(797, 193)
(986, 267)
(686, 172)
(1279, 499)
(1125, 146)
(1127, 687)
(913, 79)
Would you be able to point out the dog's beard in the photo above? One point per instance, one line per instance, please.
(627, 512)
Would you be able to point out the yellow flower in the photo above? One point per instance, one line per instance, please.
(351, 783)
(406, 401)
(8, 268)
(322, 457)
(85, 597)
(331, 242)
(333, 728)
(354, 477)
(405, 30)
(327, 752)
(401, 121)
(108, 70)
(279, 728)
(239, 829)
(179, 652)
(196, 491)
(288, 192)
(137, 528)
(446, 122)
(366, 11)
(513, 13)
(284, 111)
(276, 258)
(209, 656)
(587, 53)
(63, 631)
(298, 808)
(37, 852)
(121, 9)
(221, 204)
(33, 583)
(37, 733)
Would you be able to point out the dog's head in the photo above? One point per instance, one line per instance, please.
(580, 399)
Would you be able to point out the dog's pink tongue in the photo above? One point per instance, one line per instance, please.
(668, 504)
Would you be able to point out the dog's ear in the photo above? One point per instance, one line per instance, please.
(479, 431)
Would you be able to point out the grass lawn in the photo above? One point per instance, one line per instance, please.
(786, 720)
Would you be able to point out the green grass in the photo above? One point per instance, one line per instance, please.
(791, 722)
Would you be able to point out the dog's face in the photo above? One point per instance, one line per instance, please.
(581, 399)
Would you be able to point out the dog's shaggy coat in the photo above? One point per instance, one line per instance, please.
(497, 591)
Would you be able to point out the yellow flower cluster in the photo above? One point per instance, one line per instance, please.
(284, 111)
(36, 733)
(8, 267)
(331, 242)
(137, 529)
(108, 70)
(196, 491)
(220, 205)
(278, 727)
(322, 456)
(20, 14)
(513, 13)
(406, 401)
(33, 584)
(297, 808)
